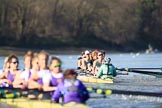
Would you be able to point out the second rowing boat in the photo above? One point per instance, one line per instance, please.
(95, 80)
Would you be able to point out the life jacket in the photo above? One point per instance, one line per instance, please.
(110, 70)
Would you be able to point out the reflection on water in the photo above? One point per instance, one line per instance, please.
(133, 81)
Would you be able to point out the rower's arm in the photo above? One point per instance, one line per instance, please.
(57, 94)
(94, 67)
(34, 76)
(2, 76)
(18, 82)
(46, 84)
(4, 81)
(83, 65)
(34, 85)
(46, 87)
(114, 71)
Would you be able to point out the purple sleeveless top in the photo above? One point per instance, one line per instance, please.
(71, 92)
(54, 80)
(40, 81)
(29, 75)
(41, 74)
(10, 76)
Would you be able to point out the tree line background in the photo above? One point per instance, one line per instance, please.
(124, 25)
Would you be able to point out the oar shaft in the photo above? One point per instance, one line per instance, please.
(125, 92)
(136, 93)
(104, 92)
(140, 71)
(147, 68)
(146, 72)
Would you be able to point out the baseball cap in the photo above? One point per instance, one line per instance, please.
(87, 52)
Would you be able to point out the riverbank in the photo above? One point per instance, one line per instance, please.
(4, 51)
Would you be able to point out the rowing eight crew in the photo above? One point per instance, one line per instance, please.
(95, 63)
(37, 75)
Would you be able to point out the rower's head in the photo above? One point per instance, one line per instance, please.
(27, 60)
(87, 54)
(43, 60)
(103, 53)
(13, 62)
(107, 61)
(35, 63)
(100, 56)
(70, 74)
(55, 65)
(94, 54)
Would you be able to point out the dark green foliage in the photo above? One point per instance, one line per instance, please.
(124, 25)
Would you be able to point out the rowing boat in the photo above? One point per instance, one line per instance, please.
(26, 103)
(16, 97)
(95, 80)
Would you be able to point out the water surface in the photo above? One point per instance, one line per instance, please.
(133, 81)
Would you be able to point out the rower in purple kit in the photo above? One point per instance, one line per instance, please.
(56, 76)
(13, 74)
(33, 84)
(38, 77)
(4, 82)
(71, 89)
(25, 75)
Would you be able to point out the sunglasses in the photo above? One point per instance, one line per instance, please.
(16, 62)
(57, 65)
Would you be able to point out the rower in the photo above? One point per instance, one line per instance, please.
(71, 89)
(55, 77)
(97, 63)
(43, 68)
(32, 84)
(107, 70)
(86, 62)
(4, 82)
(13, 73)
(25, 75)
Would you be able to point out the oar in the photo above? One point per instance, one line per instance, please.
(147, 68)
(104, 92)
(125, 92)
(157, 74)
(17, 92)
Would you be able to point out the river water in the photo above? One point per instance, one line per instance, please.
(132, 82)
